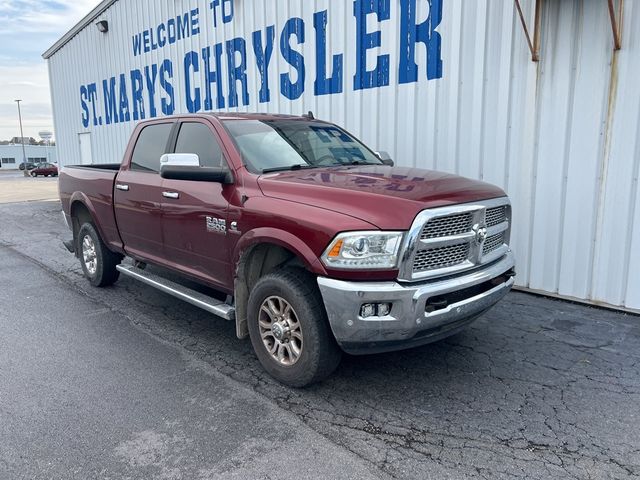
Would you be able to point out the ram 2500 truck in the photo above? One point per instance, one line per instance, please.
(310, 242)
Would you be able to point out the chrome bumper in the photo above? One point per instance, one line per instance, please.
(409, 323)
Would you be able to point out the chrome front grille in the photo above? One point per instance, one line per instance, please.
(493, 243)
(448, 240)
(447, 226)
(442, 257)
(495, 216)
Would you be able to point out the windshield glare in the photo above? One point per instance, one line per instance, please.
(283, 144)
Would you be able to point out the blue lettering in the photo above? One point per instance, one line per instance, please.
(194, 102)
(263, 58)
(410, 34)
(124, 100)
(324, 85)
(227, 11)
(171, 31)
(154, 45)
(162, 35)
(137, 87)
(145, 36)
(237, 72)
(365, 41)
(137, 44)
(110, 100)
(166, 74)
(213, 5)
(183, 26)
(93, 95)
(213, 76)
(227, 16)
(85, 107)
(291, 90)
(151, 75)
(195, 21)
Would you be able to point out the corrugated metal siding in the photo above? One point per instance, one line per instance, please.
(561, 136)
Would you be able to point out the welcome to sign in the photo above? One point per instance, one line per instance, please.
(217, 76)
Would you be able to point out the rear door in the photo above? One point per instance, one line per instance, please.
(138, 194)
(194, 221)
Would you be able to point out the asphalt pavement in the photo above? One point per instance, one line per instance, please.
(126, 382)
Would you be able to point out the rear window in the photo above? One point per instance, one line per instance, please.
(151, 145)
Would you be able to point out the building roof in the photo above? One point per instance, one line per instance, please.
(66, 38)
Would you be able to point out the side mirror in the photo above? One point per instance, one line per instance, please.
(386, 158)
(179, 160)
(197, 174)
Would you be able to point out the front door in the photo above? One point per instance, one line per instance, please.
(138, 195)
(194, 220)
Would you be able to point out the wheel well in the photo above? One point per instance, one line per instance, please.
(255, 263)
(79, 216)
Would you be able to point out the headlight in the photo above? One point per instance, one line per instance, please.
(363, 250)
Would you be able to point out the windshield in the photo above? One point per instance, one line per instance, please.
(274, 145)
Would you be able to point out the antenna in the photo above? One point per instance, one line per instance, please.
(310, 115)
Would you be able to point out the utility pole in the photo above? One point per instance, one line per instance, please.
(24, 153)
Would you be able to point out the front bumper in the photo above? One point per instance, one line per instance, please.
(421, 313)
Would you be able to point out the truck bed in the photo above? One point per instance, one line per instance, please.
(104, 166)
(93, 184)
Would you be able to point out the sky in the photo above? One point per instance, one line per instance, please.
(29, 27)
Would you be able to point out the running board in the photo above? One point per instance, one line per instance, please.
(211, 305)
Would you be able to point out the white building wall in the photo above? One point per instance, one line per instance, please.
(14, 152)
(561, 136)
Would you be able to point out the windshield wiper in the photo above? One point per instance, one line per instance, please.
(289, 168)
(361, 162)
(354, 163)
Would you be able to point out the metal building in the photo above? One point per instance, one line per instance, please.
(442, 84)
(11, 156)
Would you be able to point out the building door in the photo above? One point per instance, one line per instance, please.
(86, 155)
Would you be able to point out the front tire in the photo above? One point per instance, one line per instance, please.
(289, 329)
(98, 262)
(34, 175)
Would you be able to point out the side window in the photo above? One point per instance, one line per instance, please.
(151, 145)
(197, 138)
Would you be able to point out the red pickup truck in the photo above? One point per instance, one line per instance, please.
(311, 243)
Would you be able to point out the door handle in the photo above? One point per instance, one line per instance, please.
(173, 195)
(120, 186)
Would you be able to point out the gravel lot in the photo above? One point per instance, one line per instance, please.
(126, 382)
(15, 187)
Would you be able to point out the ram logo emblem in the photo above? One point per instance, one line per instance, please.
(481, 234)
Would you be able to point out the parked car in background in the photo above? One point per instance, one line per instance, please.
(45, 169)
(30, 166)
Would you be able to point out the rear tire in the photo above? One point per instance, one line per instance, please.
(98, 262)
(289, 329)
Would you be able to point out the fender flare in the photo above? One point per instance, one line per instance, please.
(283, 239)
(84, 200)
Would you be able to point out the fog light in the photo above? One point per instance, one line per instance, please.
(375, 310)
(368, 310)
(384, 309)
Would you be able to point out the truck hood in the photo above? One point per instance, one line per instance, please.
(387, 197)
